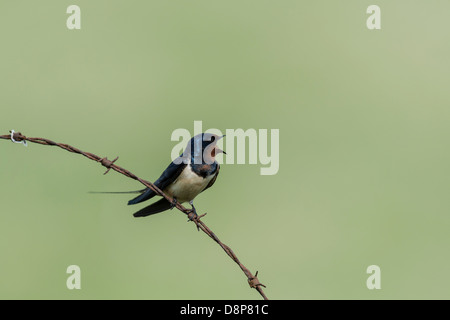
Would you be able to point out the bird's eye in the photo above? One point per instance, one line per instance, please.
(213, 138)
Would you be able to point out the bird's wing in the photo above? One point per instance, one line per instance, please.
(145, 195)
(213, 179)
(167, 177)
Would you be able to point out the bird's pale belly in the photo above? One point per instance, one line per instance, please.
(187, 186)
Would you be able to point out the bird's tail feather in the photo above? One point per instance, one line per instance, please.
(156, 207)
(118, 192)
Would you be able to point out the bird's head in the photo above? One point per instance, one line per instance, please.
(203, 148)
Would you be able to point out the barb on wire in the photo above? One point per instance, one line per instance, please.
(253, 281)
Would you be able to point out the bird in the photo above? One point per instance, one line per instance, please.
(193, 172)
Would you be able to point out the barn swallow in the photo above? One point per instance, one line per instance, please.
(194, 171)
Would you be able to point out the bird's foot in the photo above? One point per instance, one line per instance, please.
(173, 204)
(193, 216)
(193, 208)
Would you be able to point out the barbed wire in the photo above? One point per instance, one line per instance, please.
(253, 281)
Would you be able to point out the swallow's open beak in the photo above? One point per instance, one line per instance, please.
(220, 151)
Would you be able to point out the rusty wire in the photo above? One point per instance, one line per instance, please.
(110, 164)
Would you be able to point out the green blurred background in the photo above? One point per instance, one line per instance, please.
(364, 147)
